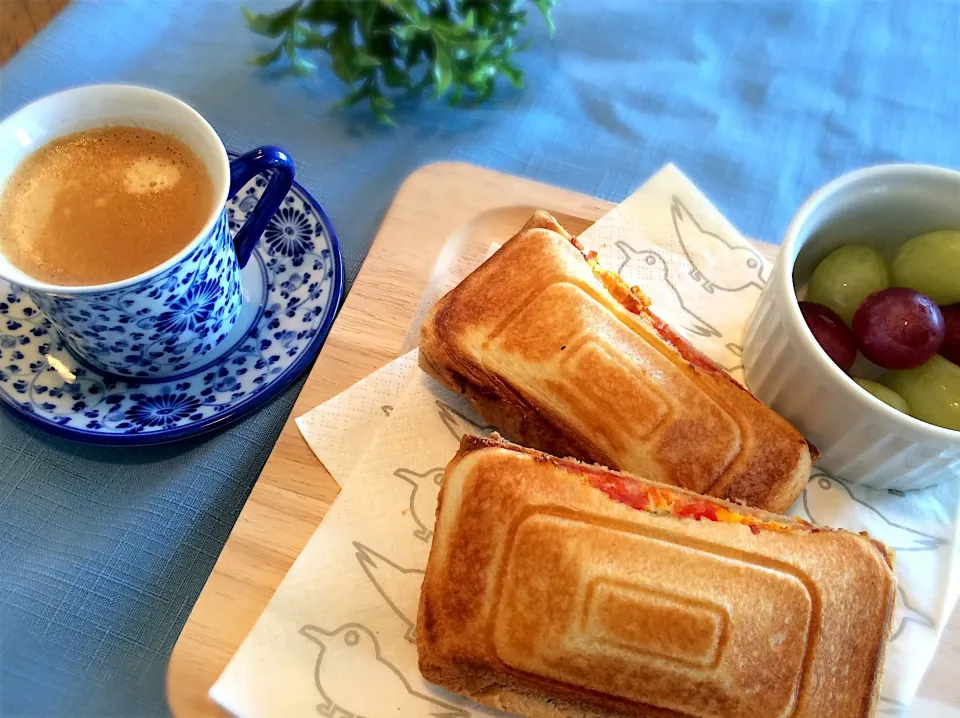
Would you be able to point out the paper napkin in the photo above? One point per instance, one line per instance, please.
(337, 637)
(340, 430)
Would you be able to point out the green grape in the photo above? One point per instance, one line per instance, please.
(930, 264)
(846, 277)
(887, 396)
(932, 391)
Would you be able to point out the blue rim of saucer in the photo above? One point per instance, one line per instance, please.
(249, 403)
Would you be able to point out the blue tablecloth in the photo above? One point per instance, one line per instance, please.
(103, 551)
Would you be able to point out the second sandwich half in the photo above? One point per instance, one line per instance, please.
(560, 590)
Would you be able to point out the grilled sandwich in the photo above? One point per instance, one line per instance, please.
(555, 589)
(561, 355)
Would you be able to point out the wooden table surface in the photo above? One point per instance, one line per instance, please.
(20, 20)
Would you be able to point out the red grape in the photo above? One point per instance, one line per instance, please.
(898, 328)
(831, 333)
(951, 343)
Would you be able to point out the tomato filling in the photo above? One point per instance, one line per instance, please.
(664, 501)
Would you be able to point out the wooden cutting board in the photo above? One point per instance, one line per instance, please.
(20, 20)
(439, 227)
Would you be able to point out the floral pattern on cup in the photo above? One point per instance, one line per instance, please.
(302, 277)
(122, 332)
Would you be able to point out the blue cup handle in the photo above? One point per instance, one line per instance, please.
(242, 170)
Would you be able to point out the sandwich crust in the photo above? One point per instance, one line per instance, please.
(548, 594)
(563, 356)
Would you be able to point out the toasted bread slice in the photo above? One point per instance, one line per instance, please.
(562, 590)
(564, 357)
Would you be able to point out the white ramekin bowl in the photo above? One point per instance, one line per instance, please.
(861, 439)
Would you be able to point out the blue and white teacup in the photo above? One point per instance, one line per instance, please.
(163, 321)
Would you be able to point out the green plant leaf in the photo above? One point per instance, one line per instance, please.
(395, 77)
(405, 33)
(274, 24)
(365, 60)
(485, 93)
(380, 102)
(384, 118)
(354, 97)
(267, 58)
(454, 98)
(342, 54)
(442, 72)
(441, 34)
(381, 106)
(302, 67)
(298, 65)
(406, 8)
(545, 7)
(477, 46)
(479, 77)
(341, 67)
(313, 40)
(515, 75)
(320, 11)
(367, 14)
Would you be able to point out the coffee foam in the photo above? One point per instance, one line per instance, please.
(150, 174)
(30, 203)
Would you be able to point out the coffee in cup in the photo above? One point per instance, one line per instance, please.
(103, 205)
